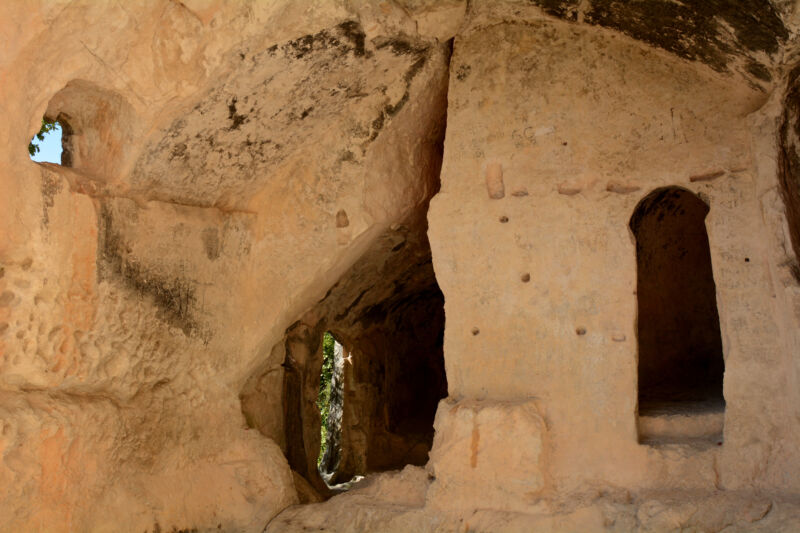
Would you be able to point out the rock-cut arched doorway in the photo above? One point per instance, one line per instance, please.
(680, 364)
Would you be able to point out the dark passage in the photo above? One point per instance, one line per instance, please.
(680, 347)
(392, 375)
(362, 372)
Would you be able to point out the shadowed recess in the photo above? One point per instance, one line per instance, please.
(680, 347)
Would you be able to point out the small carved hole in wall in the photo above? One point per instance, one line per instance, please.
(681, 366)
(341, 219)
(525, 278)
(503, 219)
(475, 331)
(46, 145)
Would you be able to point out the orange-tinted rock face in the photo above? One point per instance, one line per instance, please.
(447, 187)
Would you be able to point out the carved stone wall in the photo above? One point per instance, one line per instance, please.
(447, 186)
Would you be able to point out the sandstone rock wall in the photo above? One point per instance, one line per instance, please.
(240, 177)
(584, 124)
(211, 146)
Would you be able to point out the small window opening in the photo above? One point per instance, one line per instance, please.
(681, 366)
(46, 146)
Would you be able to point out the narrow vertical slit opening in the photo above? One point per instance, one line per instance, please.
(330, 403)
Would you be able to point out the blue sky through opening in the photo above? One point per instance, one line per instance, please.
(49, 148)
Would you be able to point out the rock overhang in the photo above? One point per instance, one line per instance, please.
(745, 37)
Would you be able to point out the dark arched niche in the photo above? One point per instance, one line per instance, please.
(680, 347)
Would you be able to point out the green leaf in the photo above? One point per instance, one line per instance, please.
(324, 395)
(47, 126)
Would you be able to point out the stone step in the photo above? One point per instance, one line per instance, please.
(679, 421)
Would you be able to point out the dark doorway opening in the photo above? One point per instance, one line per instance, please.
(394, 377)
(681, 365)
(361, 373)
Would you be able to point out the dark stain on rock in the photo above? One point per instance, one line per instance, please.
(180, 149)
(564, 9)
(252, 113)
(237, 120)
(758, 70)
(414, 69)
(390, 110)
(51, 186)
(210, 237)
(399, 46)
(302, 46)
(157, 529)
(349, 31)
(462, 72)
(697, 29)
(377, 124)
(355, 34)
(174, 297)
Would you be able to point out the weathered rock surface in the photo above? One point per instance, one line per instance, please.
(239, 177)
(143, 283)
(471, 452)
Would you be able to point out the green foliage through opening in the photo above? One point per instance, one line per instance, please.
(47, 126)
(323, 398)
